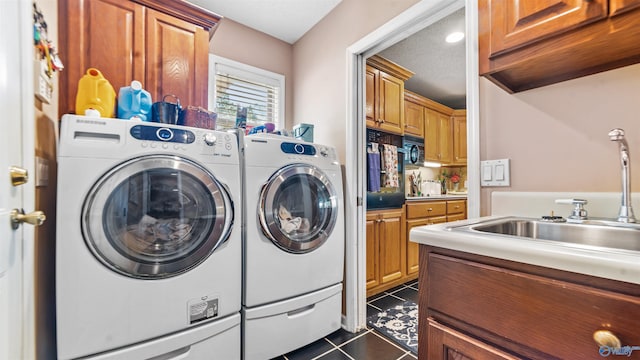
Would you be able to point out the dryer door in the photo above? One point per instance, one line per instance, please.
(156, 216)
(298, 208)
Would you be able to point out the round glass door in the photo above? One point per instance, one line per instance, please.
(298, 208)
(156, 216)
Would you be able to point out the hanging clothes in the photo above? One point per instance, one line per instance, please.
(390, 165)
(373, 168)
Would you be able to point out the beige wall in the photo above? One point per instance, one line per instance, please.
(240, 43)
(320, 65)
(556, 136)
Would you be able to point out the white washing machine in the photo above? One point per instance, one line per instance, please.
(148, 246)
(293, 244)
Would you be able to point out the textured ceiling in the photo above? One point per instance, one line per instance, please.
(287, 20)
(439, 67)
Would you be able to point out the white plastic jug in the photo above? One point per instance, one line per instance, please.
(134, 102)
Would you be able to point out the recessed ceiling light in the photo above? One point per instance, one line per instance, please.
(454, 37)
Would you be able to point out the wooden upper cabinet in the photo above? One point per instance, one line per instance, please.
(385, 95)
(413, 115)
(391, 104)
(528, 44)
(371, 91)
(518, 23)
(162, 43)
(459, 124)
(437, 140)
(102, 34)
(177, 59)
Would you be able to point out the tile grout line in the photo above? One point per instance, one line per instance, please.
(389, 341)
(350, 340)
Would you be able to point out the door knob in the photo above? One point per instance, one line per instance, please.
(34, 218)
(606, 338)
(19, 175)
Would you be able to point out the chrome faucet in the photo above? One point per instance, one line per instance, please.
(626, 211)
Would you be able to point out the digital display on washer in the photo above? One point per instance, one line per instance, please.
(298, 149)
(154, 133)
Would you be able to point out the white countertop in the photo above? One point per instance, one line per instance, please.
(610, 264)
(436, 197)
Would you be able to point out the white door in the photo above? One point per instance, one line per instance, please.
(16, 318)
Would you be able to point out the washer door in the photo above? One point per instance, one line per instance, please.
(298, 208)
(156, 216)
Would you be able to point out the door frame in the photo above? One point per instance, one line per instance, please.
(17, 25)
(412, 20)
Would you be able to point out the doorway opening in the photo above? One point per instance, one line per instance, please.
(414, 19)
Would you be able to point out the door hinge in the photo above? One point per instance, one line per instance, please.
(359, 201)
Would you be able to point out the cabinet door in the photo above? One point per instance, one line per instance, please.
(413, 248)
(372, 251)
(444, 138)
(391, 103)
(460, 137)
(371, 95)
(519, 23)
(445, 343)
(431, 145)
(94, 34)
(618, 6)
(392, 249)
(177, 59)
(413, 118)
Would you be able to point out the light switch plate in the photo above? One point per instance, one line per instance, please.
(495, 173)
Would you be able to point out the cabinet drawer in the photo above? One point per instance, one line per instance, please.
(456, 217)
(560, 316)
(456, 207)
(426, 209)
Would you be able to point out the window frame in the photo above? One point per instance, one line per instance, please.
(250, 73)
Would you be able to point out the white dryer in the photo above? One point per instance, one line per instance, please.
(293, 244)
(148, 246)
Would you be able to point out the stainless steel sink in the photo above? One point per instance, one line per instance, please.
(601, 234)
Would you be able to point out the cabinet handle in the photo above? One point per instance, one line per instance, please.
(429, 209)
(457, 206)
(381, 121)
(606, 338)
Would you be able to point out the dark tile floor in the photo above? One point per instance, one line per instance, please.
(366, 344)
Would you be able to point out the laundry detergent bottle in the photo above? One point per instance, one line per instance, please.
(95, 93)
(134, 102)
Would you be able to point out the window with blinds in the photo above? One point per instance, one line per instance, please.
(237, 86)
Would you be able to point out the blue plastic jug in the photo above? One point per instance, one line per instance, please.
(134, 102)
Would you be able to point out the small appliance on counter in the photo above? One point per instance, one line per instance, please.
(385, 170)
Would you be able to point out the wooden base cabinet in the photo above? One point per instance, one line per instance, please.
(386, 249)
(448, 344)
(477, 307)
(161, 43)
(420, 213)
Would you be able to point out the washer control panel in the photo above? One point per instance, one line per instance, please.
(163, 134)
(297, 149)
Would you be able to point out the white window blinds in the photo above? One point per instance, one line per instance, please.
(238, 85)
